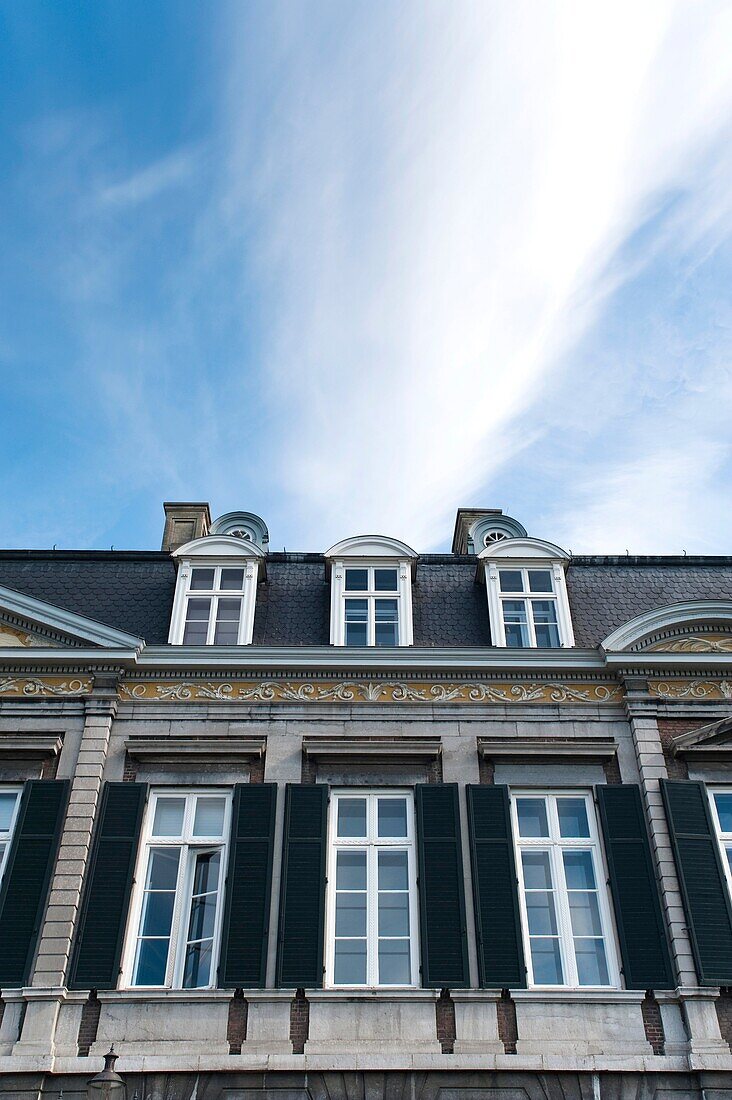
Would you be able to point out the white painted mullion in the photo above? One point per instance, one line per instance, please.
(372, 934)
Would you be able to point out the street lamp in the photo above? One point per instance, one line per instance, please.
(107, 1083)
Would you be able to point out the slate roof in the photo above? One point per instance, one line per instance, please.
(133, 591)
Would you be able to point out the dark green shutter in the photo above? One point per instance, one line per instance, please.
(441, 893)
(640, 923)
(248, 885)
(302, 895)
(495, 889)
(28, 875)
(701, 877)
(108, 886)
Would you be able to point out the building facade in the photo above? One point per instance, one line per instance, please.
(366, 823)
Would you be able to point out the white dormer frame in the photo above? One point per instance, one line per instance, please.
(526, 554)
(371, 552)
(215, 552)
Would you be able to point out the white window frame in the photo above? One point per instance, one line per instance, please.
(191, 847)
(558, 595)
(6, 836)
(372, 844)
(183, 592)
(402, 594)
(556, 844)
(723, 839)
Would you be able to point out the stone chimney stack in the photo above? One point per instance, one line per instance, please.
(184, 520)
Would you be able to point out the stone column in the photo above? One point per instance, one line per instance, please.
(50, 972)
(698, 1004)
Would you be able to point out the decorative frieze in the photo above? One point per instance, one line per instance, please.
(44, 686)
(694, 643)
(711, 690)
(368, 691)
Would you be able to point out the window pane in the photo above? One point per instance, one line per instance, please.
(537, 872)
(532, 819)
(385, 580)
(209, 817)
(351, 871)
(394, 914)
(511, 580)
(392, 816)
(393, 873)
(578, 870)
(168, 820)
(206, 873)
(729, 858)
(350, 962)
(157, 915)
(351, 817)
(386, 611)
(591, 962)
(386, 634)
(152, 961)
(573, 817)
(3, 849)
(232, 580)
(394, 966)
(350, 917)
(356, 634)
(540, 914)
(196, 626)
(545, 623)
(227, 622)
(387, 623)
(546, 961)
(197, 970)
(7, 808)
(540, 580)
(515, 624)
(357, 580)
(162, 869)
(203, 917)
(356, 622)
(202, 580)
(585, 912)
(723, 802)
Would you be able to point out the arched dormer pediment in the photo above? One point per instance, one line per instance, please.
(694, 626)
(371, 546)
(524, 550)
(219, 546)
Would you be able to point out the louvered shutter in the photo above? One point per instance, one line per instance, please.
(636, 901)
(249, 880)
(108, 886)
(441, 891)
(27, 875)
(701, 877)
(495, 888)
(302, 896)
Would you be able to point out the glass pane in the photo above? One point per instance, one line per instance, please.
(197, 970)
(572, 814)
(356, 622)
(7, 808)
(3, 849)
(723, 802)
(585, 913)
(203, 917)
(162, 869)
(578, 870)
(545, 624)
(351, 817)
(350, 918)
(386, 634)
(228, 609)
(195, 633)
(168, 819)
(157, 914)
(729, 858)
(227, 622)
(546, 962)
(152, 960)
(385, 580)
(540, 580)
(515, 624)
(350, 962)
(394, 914)
(209, 817)
(392, 816)
(591, 962)
(532, 819)
(511, 580)
(206, 874)
(202, 580)
(356, 634)
(394, 967)
(351, 871)
(393, 873)
(357, 580)
(537, 872)
(540, 913)
(232, 580)
(387, 615)
(386, 610)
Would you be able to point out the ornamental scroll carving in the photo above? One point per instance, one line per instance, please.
(44, 686)
(693, 643)
(368, 691)
(691, 689)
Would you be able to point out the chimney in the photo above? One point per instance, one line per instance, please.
(184, 520)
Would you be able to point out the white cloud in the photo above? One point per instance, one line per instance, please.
(150, 182)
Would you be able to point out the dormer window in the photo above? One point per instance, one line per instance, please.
(371, 592)
(527, 594)
(216, 591)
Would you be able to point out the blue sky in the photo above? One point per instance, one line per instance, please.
(352, 265)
